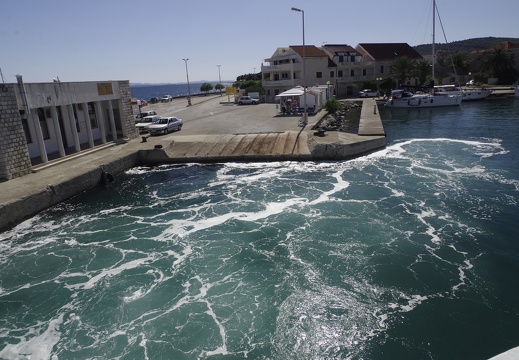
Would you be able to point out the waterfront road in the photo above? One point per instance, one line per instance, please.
(214, 114)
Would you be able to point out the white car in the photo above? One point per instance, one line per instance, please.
(143, 114)
(166, 98)
(164, 125)
(247, 100)
(368, 93)
(146, 121)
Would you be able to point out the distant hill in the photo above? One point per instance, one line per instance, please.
(465, 46)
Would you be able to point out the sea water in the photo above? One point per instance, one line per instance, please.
(148, 91)
(411, 252)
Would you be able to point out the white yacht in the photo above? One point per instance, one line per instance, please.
(406, 99)
(468, 93)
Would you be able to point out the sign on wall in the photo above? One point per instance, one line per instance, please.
(105, 88)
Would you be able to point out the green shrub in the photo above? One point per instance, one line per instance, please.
(332, 105)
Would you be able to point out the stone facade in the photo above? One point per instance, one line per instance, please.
(14, 157)
(129, 131)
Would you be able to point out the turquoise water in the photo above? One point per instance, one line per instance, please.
(411, 252)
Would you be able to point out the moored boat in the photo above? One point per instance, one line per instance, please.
(476, 93)
(406, 99)
(468, 93)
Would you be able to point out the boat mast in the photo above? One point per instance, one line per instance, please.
(433, 41)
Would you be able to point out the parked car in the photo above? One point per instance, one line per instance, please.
(142, 126)
(368, 93)
(166, 98)
(164, 125)
(143, 114)
(247, 100)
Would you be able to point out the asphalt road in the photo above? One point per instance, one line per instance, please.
(213, 114)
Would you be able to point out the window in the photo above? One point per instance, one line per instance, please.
(381, 69)
(294, 76)
(319, 74)
(284, 76)
(92, 116)
(341, 58)
(332, 74)
(28, 137)
(340, 73)
(352, 73)
(43, 124)
(352, 58)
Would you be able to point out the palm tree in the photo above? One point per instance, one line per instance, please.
(402, 69)
(460, 62)
(422, 70)
(500, 64)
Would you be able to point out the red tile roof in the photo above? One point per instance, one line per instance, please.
(337, 49)
(310, 51)
(387, 51)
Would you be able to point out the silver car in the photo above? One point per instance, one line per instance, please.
(247, 100)
(368, 93)
(164, 125)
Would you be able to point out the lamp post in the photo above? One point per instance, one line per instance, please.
(220, 80)
(188, 86)
(305, 114)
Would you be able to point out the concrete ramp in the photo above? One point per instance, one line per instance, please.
(280, 146)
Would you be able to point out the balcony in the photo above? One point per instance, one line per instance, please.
(278, 83)
(277, 68)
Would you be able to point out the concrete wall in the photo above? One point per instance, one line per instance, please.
(76, 182)
(41, 95)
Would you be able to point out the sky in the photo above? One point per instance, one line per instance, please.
(146, 41)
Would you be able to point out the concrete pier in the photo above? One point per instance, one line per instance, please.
(204, 138)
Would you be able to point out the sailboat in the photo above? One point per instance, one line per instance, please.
(406, 99)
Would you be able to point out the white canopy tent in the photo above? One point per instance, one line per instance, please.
(314, 101)
(297, 91)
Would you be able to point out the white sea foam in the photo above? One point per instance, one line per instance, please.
(36, 344)
(112, 271)
(189, 226)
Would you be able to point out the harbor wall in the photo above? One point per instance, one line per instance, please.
(34, 202)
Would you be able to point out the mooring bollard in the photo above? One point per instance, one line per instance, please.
(375, 109)
(144, 138)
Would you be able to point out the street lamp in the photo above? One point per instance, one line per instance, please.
(219, 79)
(379, 79)
(305, 115)
(188, 86)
